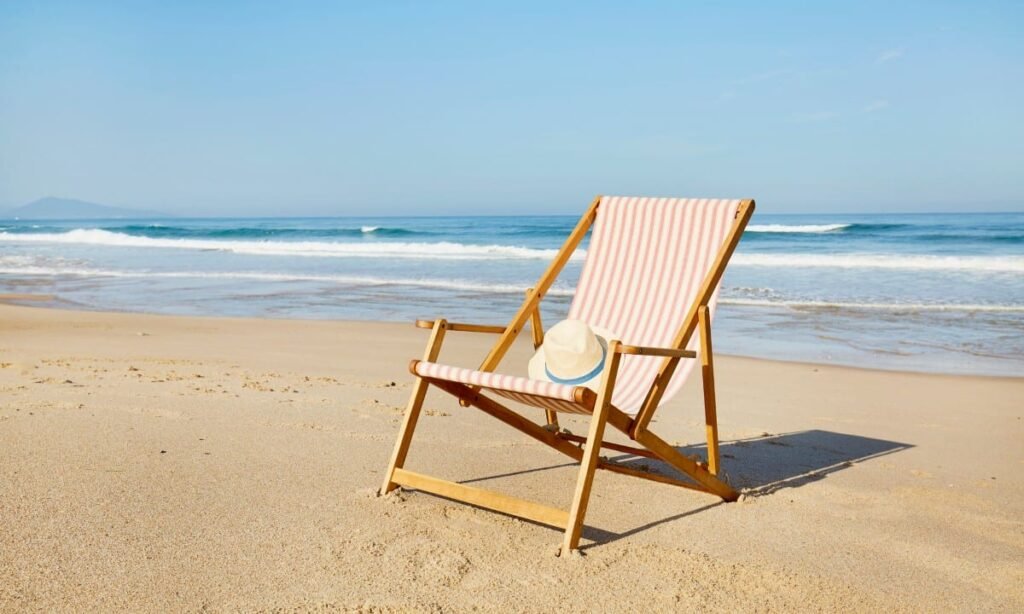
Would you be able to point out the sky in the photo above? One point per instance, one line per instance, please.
(430, 108)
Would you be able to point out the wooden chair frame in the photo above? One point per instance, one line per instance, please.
(703, 476)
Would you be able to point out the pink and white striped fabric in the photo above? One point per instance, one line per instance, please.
(644, 268)
(547, 395)
(645, 264)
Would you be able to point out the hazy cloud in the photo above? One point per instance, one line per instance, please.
(890, 54)
(875, 105)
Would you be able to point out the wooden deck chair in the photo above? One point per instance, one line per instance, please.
(651, 275)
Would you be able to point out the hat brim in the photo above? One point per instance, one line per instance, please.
(536, 367)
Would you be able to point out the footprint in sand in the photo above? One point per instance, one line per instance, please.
(441, 566)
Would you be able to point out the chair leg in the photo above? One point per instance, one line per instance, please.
(412, 415)
(592, 452)
(412, 410)
(588, 466)
(708, 376)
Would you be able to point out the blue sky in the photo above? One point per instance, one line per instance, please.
(452, 108)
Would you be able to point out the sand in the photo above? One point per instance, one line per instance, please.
(156, 463)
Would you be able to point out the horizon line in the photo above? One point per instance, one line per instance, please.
(449, 215)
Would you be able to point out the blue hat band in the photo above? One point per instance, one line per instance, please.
(586, 377)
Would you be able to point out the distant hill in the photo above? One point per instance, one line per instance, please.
(51, 208)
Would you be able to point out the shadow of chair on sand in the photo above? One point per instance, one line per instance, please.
(763, 465)
(756, 466)
(768, 463)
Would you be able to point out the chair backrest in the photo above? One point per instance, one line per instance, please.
(645, 267)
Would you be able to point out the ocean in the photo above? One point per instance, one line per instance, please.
(923, 292)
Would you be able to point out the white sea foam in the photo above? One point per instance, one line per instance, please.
(797, 228)
(991, 264)
(890, 307)
(18, 265)
(347, 280)
(463, 251)
(440, 250)
(18, 261)
(369, 229)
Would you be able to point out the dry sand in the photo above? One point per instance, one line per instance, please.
(164, 463)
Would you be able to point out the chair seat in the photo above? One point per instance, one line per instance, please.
(538, 393)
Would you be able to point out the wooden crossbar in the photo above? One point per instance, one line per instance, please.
(649, 475)
(483, 498)
(618, 447)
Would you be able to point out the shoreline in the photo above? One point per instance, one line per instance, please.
(30, 301)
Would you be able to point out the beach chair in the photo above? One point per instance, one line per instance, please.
(651, 274)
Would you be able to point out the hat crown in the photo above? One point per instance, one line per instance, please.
(571, 349)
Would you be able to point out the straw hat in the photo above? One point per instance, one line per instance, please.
(573, 353)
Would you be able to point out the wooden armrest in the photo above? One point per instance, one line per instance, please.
(466, 328)
(653, 351)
